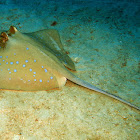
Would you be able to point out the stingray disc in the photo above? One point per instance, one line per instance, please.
(23, 66)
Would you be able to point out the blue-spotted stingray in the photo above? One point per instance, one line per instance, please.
(37, 61)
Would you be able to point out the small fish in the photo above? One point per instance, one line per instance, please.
(37, 61)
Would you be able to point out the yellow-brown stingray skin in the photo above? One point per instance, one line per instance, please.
(23, 66)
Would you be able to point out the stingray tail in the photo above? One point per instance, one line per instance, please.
(83, 83)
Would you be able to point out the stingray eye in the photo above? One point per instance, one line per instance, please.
(4, 36)
(3, 39)
(12, 30)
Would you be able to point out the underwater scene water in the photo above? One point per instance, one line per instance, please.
(102, 38)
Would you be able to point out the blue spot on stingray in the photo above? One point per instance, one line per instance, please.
(0, 56)
(27, 48)
(40, 80)
(3, 60)
(45, 70)
(6, 62)
(30, 69)
(42, 66)
(24, 65)
(17, 62)
(6, 56)
(8, 69)
(26, 61)
(34, 79)
(15, 70)
(51, 77)
(10, 72)
(34, 75)
(0, 63)
(28, 80)
(11, 63)
(34, 60)
(14, 53)
(34, 72)
(9, 78)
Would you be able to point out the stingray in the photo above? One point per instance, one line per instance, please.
(37, 61)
